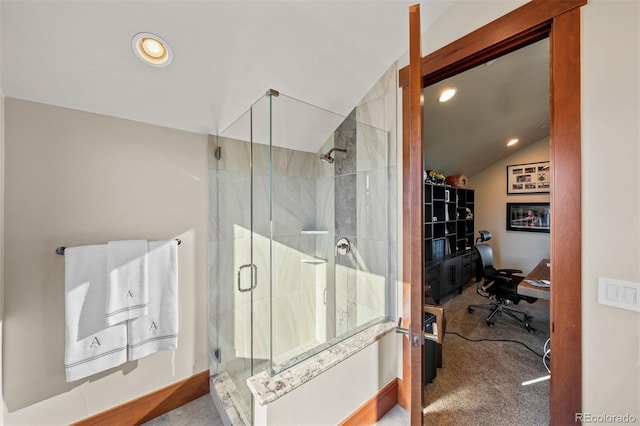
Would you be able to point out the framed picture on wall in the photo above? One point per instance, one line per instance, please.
(528, 178)
(529, 217)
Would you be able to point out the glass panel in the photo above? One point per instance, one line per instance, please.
(302, 196)
(239, 274)
(330, 182)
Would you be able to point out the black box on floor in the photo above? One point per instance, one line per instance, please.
(429, 351)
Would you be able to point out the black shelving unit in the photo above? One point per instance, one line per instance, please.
(448, 238)
(448, 216)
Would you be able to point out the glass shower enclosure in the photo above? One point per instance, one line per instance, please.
(298, 240)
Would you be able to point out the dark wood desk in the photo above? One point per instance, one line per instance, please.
(540, 272)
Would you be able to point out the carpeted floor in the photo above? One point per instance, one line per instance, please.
(480, 383)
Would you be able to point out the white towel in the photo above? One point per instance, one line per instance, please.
(91, 346)
(158, 330)
(128, 292)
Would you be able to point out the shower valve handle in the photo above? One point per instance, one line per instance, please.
(343, 246)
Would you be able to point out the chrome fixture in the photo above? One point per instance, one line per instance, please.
(413, 337)
(328, 158)
(343, 246)
(254, 277)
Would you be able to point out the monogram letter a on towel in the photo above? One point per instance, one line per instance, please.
(92, 345)
(158, 330)
(128, 287)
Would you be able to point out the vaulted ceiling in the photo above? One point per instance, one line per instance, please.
(503, 99)
(77, 54)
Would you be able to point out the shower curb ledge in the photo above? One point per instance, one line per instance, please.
(267, 389)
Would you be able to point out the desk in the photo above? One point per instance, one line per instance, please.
(540, 272)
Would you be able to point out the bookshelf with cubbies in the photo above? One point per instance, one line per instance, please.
(448, 238)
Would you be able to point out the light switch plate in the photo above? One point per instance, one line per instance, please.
(619, 293)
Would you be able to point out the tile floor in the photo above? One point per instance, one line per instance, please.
(202, 412)
(199, 412)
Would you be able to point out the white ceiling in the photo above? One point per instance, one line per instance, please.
(504, 99)
(77, 54)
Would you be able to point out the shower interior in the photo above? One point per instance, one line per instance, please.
(299, 242)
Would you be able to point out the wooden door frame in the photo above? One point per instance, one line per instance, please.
(411, 393)
(560, 21)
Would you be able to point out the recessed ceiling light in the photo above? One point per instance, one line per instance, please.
(151, 49)
(512, 141)
(447, 94)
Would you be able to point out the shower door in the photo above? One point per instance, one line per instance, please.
(240, 252)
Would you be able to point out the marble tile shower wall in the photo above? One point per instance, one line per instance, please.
(325, 243)
(345, 217)
(379, 109)
(361, 216)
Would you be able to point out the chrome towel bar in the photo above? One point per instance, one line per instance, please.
(60, 250)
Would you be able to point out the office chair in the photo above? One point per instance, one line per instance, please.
(498, 285)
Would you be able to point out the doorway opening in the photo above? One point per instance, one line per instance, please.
(560, 21)
(466, 139)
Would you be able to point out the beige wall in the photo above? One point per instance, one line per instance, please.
(1, 206)
(75, 178)
(611, 187)
(1, 236)
(511, 249)
(1, 219)
(611, 202)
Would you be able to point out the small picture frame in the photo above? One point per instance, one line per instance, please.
(529, 217)
(530, 178)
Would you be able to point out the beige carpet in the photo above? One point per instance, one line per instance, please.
(481, 382)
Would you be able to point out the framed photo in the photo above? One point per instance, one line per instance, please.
(530, 217)
(528, 178)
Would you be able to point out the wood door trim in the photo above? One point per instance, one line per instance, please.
(560, 20)
(566, 226)
(152, 405)
(413, 222)
(404, 386)
(527, 24)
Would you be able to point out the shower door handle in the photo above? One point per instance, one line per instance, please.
(254, 277)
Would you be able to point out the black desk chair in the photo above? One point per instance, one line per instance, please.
(498, 285)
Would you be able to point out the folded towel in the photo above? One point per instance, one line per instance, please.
(91, 345)
(128, 295)
(158, 330)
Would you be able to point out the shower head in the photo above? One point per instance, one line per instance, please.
(328, 158)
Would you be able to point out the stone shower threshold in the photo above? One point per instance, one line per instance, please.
(267, 389)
